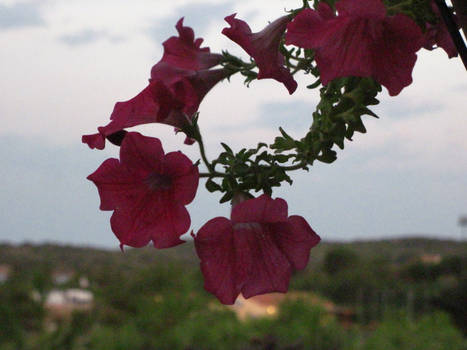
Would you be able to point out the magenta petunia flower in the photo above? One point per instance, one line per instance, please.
(148, 191)
(172, 104)
(263, 47)
(361, 41)
(255, 251)
(178, 83)
(186, 52)
(437, 35)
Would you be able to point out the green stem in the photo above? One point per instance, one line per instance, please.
(294, 167)
(203, 154)
(236, 65)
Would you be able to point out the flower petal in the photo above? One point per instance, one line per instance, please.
(394, 55)
(134, 226)
(185, 52)
(215, 248)
(348, 52)
(374, 9)
(120, 221)
(313, 29)
(263, 209)
(267, 268)
(295, 239)
(151, 219)
(141, 154)
(118, 188)
(184, 176)
(173, 222)
(94, 141)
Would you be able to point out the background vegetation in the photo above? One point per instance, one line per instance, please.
(396, 294)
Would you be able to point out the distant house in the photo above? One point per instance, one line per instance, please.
(259, 306)
(431, 259)
(61, 277)
(267, 305)
(5, 271)
(61, 303)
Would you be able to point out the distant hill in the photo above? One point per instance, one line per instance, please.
(83, 258)
(397, 250)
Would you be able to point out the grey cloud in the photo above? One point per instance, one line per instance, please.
(402, 108)
(297, 116)
(198, 16)
(292, 116)
(459, 88)
(24, 14)
(87, 36)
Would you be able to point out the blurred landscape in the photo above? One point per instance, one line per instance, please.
(389, 294)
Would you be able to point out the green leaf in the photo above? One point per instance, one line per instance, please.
(227, 148)
(211, 186)
(328, 156)
(284, 134)
(283, 144)
(282, 158)
(226, 197)
(314, 85)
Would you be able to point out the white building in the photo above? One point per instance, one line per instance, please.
(5, 271)
(61, 303)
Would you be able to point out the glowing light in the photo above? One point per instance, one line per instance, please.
(271, 310)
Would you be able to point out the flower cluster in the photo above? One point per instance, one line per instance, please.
(178, 84)
(360, 41)
(350, 48)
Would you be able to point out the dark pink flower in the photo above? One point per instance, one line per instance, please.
(178, 83)
(263, 47)
(148, 191)
(437, 35)
(256, 251)
(361, 41)
(186, 52)
(172, 104)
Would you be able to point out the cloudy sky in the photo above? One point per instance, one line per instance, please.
(64, 63)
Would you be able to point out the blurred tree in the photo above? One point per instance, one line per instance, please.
(431, 332)
(454, 301)
(339, 259)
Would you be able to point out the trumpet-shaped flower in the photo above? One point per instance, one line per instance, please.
(148, 191)
(361, 41)
(255, 251)
(263, 47)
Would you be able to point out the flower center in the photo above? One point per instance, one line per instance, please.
(158, 182)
